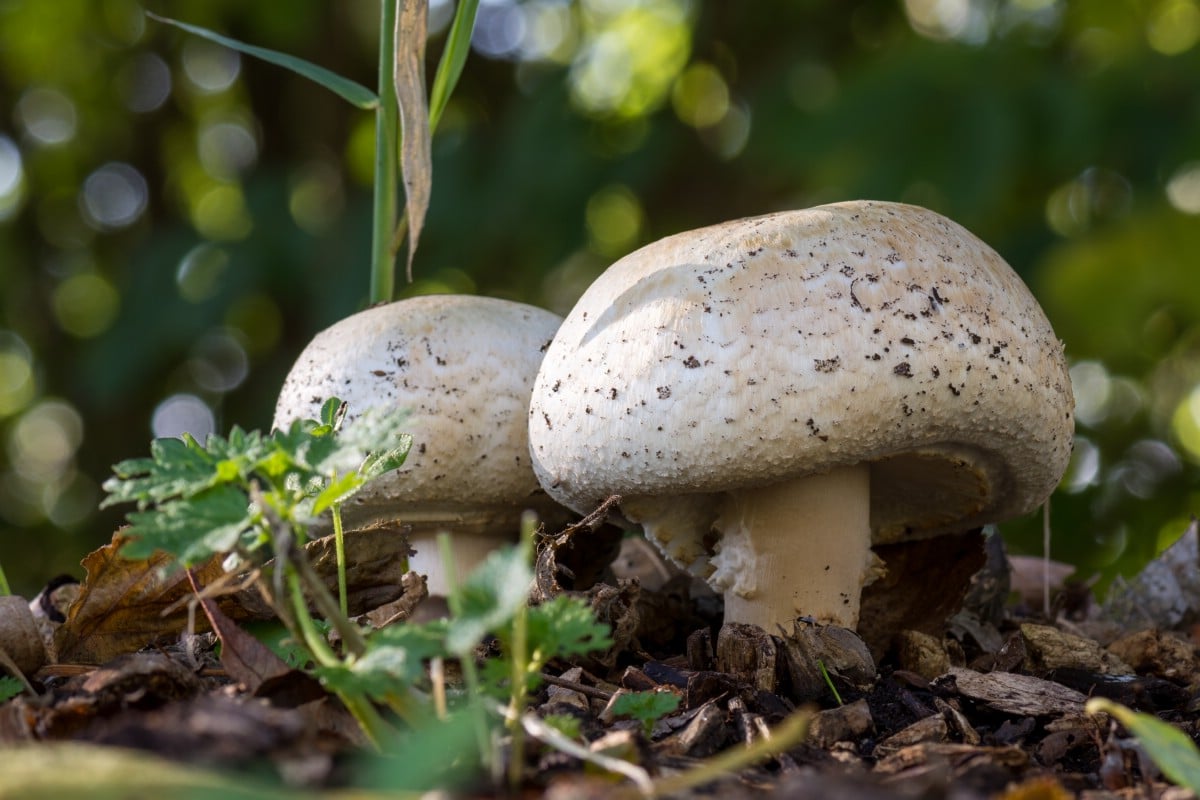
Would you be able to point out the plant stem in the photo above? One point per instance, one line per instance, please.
(352, 636)
(339, 546)
(373, 726)
(520, 665)
(4, 587)
(520, 669)
(320, 650)
(387, 149)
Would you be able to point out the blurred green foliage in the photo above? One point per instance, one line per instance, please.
(176, 222)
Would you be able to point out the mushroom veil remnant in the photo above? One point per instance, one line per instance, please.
(463, 367)
(772, 396)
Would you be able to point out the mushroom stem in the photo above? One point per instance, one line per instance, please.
(469, 548)
(796, 548)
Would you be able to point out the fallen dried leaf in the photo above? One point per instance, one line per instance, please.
(121, 603)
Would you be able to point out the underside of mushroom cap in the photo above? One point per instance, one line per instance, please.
(463, 368)
(768, 348)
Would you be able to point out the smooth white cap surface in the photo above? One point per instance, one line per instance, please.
(463, 367)
(769, 348)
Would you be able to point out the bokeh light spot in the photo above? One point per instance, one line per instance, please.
(360, 151)
(114, 196)
(1084, 469)
(199, 273)
(550, 32)
(729, 136)
(1173, 26)
(226, 148)
(700, 96)
(258, 321)
(812, 85)
(48, 116)
(220, 213)
(12, 179)
(209, 67)
(1183, 188)
(1096, 194)
(1092, 387)
(316, 198)
(947, 19)
(85, 305)
(219, 363)
(16, 373)
(42, 443)
(71, 500)
(631, 56)
(144, 83)
(1185, 423)
(180, 414)
(614, 219)
(499, 28)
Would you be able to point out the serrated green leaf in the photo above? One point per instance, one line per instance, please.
(563, 627)
(343, 87)
(1171, 749)
(646, 707)
(333, 411)
(174, 469)
(191, 530)
(377, 464)
(394, 660)
(337, 491)
(487, 600)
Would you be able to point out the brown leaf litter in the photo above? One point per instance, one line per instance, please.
(949, 692)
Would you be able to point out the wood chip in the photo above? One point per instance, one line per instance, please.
(841, 724)
(1023, 695)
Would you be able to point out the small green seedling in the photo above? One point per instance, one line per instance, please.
(10, 687)
(829, 682)
(257, 495)
(646, 707)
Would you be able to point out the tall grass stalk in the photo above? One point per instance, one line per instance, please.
(387, 153)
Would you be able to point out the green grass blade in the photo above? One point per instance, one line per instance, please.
(345, 88)
(1169, 747)
(454, 57)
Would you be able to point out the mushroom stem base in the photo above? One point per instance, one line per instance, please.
(470, 550)
(801, 548)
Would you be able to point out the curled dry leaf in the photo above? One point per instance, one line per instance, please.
(416, 160)
(125, 605)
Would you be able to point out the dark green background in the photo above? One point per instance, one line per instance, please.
(1065, 134)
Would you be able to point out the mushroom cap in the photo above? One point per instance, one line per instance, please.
(768, 348)
(463, 367)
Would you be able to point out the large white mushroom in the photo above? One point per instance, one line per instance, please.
(771, 396)
(463, 367)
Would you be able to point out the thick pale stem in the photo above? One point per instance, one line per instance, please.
(798, 548)
(470, 549)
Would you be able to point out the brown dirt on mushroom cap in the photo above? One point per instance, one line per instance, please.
(463, 366)
(799, 342)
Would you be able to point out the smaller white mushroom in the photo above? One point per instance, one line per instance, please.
(772, 396)
(463, 367)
